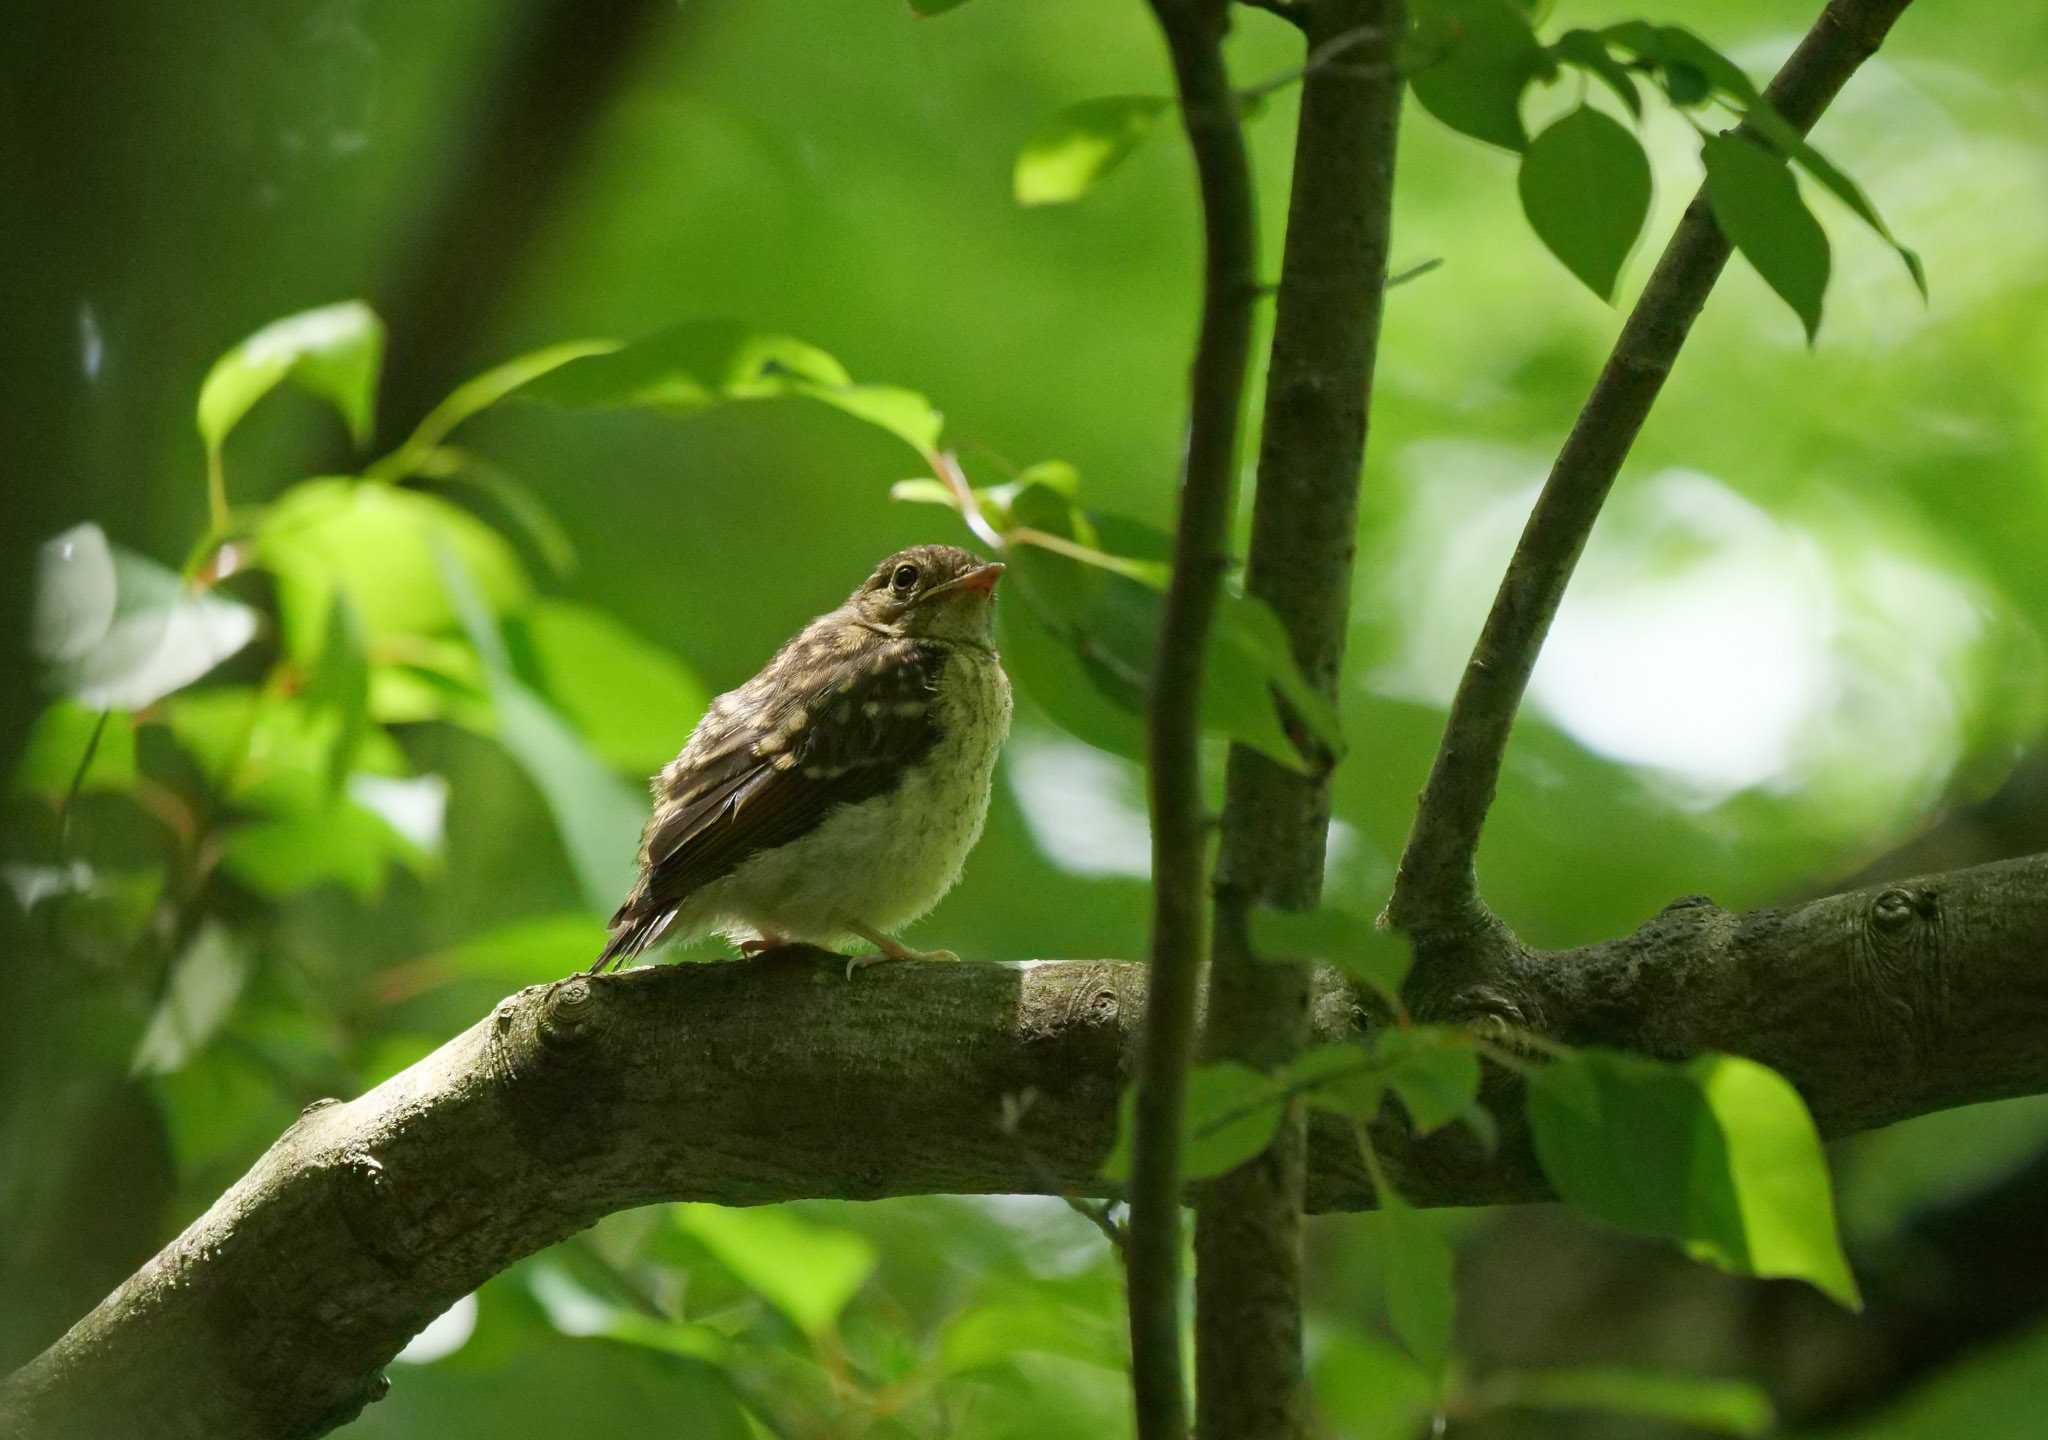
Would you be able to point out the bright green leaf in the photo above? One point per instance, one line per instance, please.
(76, 593)
(204, 985)
(1728, 1407)
(1249, 652)
(267, 752)
(1585, 187)
(1420, 1298)
(1232, 1111)
(1692, 68)
(346, 845)
(1065, 156)
(522, 952)
(335, 352)
(1432, 1069)
(452, 468)
(340, 681)
(1469, 61)
(1758, 206)
(630, 699)
(1341, 1076)
(377, 542)
(1046, 668)
(992, 1334)
(806, 1270)
(1375, 957)
(57, 746)
(1718, 1154)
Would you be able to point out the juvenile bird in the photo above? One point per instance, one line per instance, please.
(837, 793)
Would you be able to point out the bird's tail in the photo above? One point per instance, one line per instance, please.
(632, 932)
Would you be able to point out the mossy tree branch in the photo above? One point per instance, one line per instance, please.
(774, 1079)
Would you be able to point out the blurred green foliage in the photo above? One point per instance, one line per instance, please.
(1810, 619)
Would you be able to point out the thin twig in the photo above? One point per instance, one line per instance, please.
(1098, 1213)
(1323, 56)
(946, 466)
(1436, 887)
(1179, 942)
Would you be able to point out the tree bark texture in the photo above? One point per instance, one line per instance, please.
(775, 1079)
(1248, 1232)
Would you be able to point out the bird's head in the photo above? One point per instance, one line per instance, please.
(938, 592)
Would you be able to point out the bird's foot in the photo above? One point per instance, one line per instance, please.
(891, 949)
(763, 943)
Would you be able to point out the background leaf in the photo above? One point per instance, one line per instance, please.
(1065, 157)
(1726, 1407)
(809, 1271)
(334, 352)
(162, 634)
(1232, 1112)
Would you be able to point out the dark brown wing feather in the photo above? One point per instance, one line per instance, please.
(824, 725)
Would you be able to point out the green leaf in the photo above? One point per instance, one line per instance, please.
(267, 752)
(633, 701)
(1341, 1077)
(1065, 156)
(334, 352)
(378, 543)
(1758, 206)
(1420, 1299)
(1718, 1154)
(58, 743)
(1232, 1112)
(418, 455)
(1369, 1389)
(1433, 1069)
(1585, 187)
(1692, 68)
(1046, 668)
(1728, 1407)
(1469, 61)
(1250, 657)
(1589, 52)
(522, 952)
(155, 634)
(1765, 119)
(204, 985)
(340, 681)
(806, 1270)
(298, 851)
(693, 366)
(598, 816)
(991, 1335)
(1375, 957)
(525, 512)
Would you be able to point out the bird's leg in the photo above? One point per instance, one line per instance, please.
(765, 941)
(891, 949)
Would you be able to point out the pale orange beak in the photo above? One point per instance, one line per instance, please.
(983, 579)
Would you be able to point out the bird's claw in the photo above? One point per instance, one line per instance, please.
(861, 962)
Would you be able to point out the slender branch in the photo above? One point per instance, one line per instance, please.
(755, 1081)
(1436, 888)
(1194, 32)
(1248, 1232)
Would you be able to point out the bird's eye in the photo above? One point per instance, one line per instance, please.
(905, 579)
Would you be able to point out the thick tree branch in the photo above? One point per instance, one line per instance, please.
(1436, 888)
(1304, 525)
(775, 1079)
(1194, 32)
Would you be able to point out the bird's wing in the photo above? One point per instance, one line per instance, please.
(833, 731)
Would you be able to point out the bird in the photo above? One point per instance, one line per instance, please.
(835, 795)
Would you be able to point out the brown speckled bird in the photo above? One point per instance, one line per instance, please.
(837, 793)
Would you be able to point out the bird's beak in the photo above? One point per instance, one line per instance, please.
(983, 579)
